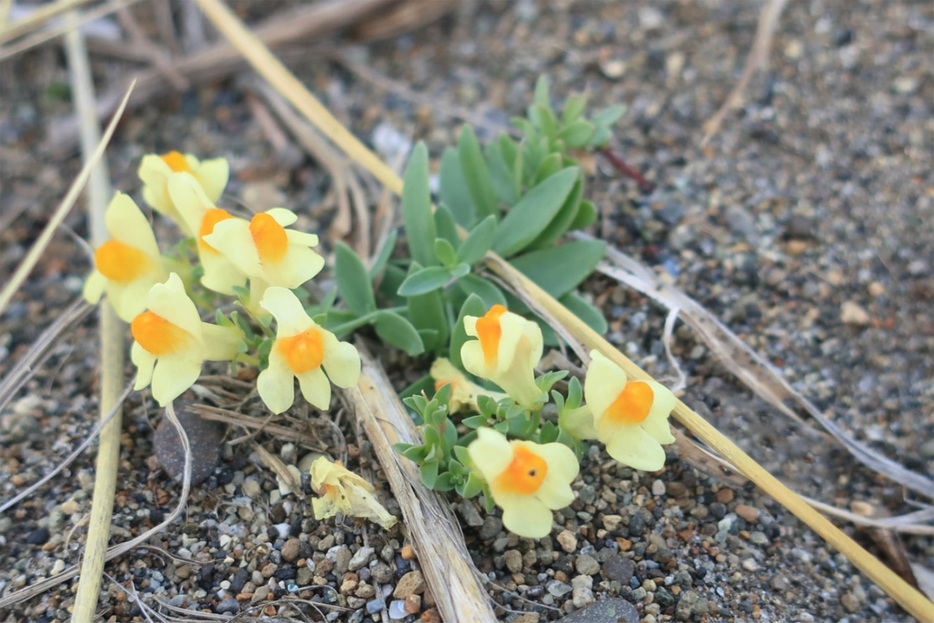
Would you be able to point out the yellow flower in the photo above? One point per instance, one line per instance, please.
(171, 342)
(199, 214)
(304, 350)
(344, 492)
(463, 392)
(155, 171)
(129, 264)
(506, 352)
(630, 417)
(528, 480)
(267, 252)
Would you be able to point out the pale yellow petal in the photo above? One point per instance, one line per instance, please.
(144, 362)
(298, 266)
(288, 311)
(127, 223)
(172, 377)
(220, 274)
(490, 453)
(364, 505)
(301, 238)
(213, 175)
(169, 301)
(563, 465)
(220, 343)
(232, 238)
(530, 519)
(189, 199)
(276, 384)
(341, 361)
(130, 299)
(282, 216)
(602, 384)
(579, 423)
(512, 327)
(634, 447)
(94, 287)
(470, 325)
(472, 358)
(656, 424)
(327, 506)
(316, 388)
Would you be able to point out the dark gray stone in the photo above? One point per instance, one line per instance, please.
(204, 438)
(614, 610)
(619, 569)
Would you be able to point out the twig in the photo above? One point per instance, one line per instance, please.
(436, 535)
(273, 70)
(156, 54)
(758, 57)
(111, 335)
(620, 165)
(38, 19)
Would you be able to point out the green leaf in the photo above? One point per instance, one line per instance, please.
(577, 134)
(416, 208)
(544, 119)
(586, 215)
(353, 280)
(548, 167)
(476, 174)
(473, 306)
(426, 383)
(427, 313)
(415, 453)
(608, 116)
(425, 280)
(541, 91)
(445, 252)
(429, 474)
(558, 270)
(508, 149)
(447, 228)
(528, 218)
(500, 174)
(385, 252)
(399, 332)
(393, 277)
(474, 421)
(444, 482)
(454, 191)
(573, 108)
(562, 221)
(455, 467)
(459, 270)
(585, 311)
(461, 454)
(471, 487)
(486, 290)
(477, 242)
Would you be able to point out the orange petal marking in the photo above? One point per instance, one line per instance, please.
(632, 405)
(270, 238)
(211, 218)
(157, 335)
(489, 331)
(524, 475)
(303, 352)
(442, 382)
(176, 162)
(121, 262)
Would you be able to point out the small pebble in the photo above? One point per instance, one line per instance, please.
(567, 541)
(227, 606)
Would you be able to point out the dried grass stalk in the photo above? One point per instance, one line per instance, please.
(436, 535)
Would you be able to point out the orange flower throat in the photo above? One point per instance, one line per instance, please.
(525, 473)
(157, 335)
(176, 162)
(489, 331)
(633, 404)
(120, 262)
(303, 352)
(270, 238)
(211, 218)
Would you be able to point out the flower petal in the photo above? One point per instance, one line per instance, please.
(563, 465)
(127, 223)
(633, 446)
(283, 216)
(490, 453)
(213, 175)
(290, 316)
(530, 519)
(276, 385)
(169, 301)
(472, 358)
(220, 343)
(220, 274)
(232, 238)
(172, 376)
(189, 199)
(144, 362)
(341, 361)
(94, 287)
(656, 424)
(130, 299)
(602, 384)
(316, 388)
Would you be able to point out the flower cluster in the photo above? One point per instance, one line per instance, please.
(156, 293)
(526, 466)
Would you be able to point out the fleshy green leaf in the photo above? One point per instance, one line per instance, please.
(560, 224)
(426, 313)
(542, 87)
(353, 280)
(486, 290)
(471, 487)
(454, 191)
(548, 167)
(477, 242)
(473, 306)
(393, 277)
(474, 421)
(446, 227)
(444, 482)
(544, 119)
(558, 270)
(585, 311)
(573, 108)
(461, 454)
(425, 280)
(385, 252)
(399, 332)
(608, 116)
(531, 215)
(429, 474)
(476, 174)
(416, 208)
(577, 134)
(586, 216)
(445, 252)
(500, 174)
